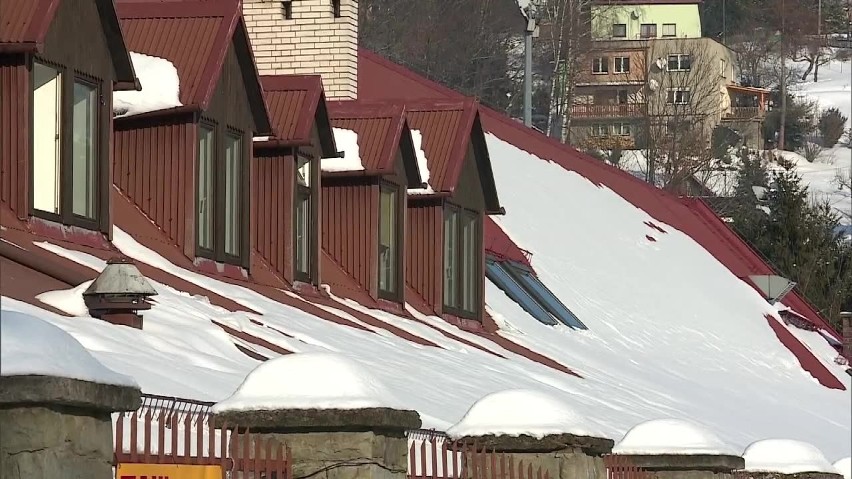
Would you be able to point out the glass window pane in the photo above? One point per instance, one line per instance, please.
(47, 101)
(545, 297)
(303, 172)
(302, 231)
(469, 260)
(204, 226)
(495, 273)
(84, 150)
(450, 257)
(233, 174)
(388, 211)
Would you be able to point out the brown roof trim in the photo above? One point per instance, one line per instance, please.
(178, 110)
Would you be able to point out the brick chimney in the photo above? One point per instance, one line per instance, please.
(846, 320)
(307, 37)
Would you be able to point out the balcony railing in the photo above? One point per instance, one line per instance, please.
(745, 113)
(607, 111)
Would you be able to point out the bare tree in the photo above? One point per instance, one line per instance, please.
(684, 98)
(815, 53)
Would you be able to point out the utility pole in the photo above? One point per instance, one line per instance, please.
(724, 24)
(530, 32)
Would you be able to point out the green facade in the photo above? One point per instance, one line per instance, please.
(684, 18)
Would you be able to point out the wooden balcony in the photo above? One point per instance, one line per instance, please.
(627, 110)
(745, 113)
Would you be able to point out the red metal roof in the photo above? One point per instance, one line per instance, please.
(296, 103)
(194, 35)
(24, 25)
(380, 78)
(381, 127)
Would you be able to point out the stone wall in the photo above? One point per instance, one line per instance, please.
(312, 41)
(52, 428)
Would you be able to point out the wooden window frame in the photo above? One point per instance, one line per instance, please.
(478, 264)
(66, 216)
(218, 254)
(309, 192)
(401, 200)
(674, 27)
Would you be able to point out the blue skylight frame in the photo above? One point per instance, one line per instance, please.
(495, 271)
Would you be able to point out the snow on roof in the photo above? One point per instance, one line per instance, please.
(308, 381)
(422, 164)
(672, 436)
(347, 142)
(844, 467)
(785, 456)
(516, 412)
(160, 87)
(31, 346)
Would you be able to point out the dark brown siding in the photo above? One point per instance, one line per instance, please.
(272, 198)
(424, 263)
(350, 225)
(154, 165)
(14, 134)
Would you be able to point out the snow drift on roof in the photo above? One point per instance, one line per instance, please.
(347, 142)
(785, 456)
(517, 412)
(31, 346)
(672, 436)
(160, 87)
(844, 467)
(308, 381)
(422, 164)
(67, 300)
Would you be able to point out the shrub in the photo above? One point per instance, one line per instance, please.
(811, 151)
(831, 124)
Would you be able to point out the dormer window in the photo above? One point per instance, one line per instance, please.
(66, 134)
(390, 239)
(302, 249)
(461, 260)
(219, 230)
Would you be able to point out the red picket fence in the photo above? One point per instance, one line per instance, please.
(437, 457)
(620, 467)
(177, 431)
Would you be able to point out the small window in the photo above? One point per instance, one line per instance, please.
(287, 8)
(389, 223)
(204, 202)
(600, 129)
(335, 8)
(679, 62)
(669, 30)
(622, 65)
(84, 120)
(619, 30)
(678, 96)
(233, 192)
(302, 250)
(46, 137)
(600, 65)
(461, 260)
(544, 296)
(622, 129)
(503, 280)
(621, 97)
(648, 30)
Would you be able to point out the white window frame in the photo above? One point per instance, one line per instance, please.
(674, 96)
(600, 66)
(618, 65)
(623, 129)
(600, 130)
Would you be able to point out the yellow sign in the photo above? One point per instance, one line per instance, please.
(167, 471)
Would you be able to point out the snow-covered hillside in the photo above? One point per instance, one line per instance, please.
(672, 332)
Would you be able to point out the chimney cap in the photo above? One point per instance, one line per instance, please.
(120, 277)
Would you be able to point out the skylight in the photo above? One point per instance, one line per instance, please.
(530, 293)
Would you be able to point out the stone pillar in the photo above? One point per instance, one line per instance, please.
(336, 443)
(59, 428)
(682, 466)
(564, 456)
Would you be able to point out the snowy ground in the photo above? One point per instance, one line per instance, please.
(672, 333)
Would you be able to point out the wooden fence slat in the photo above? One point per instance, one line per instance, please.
(161, 435)
(187, 437)
(174, 450)
(134, 437)
(456, 460)
(246, 450)
(423, 459)
(434, 457)
(119, 436)
(147, 449)
(444, 458)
